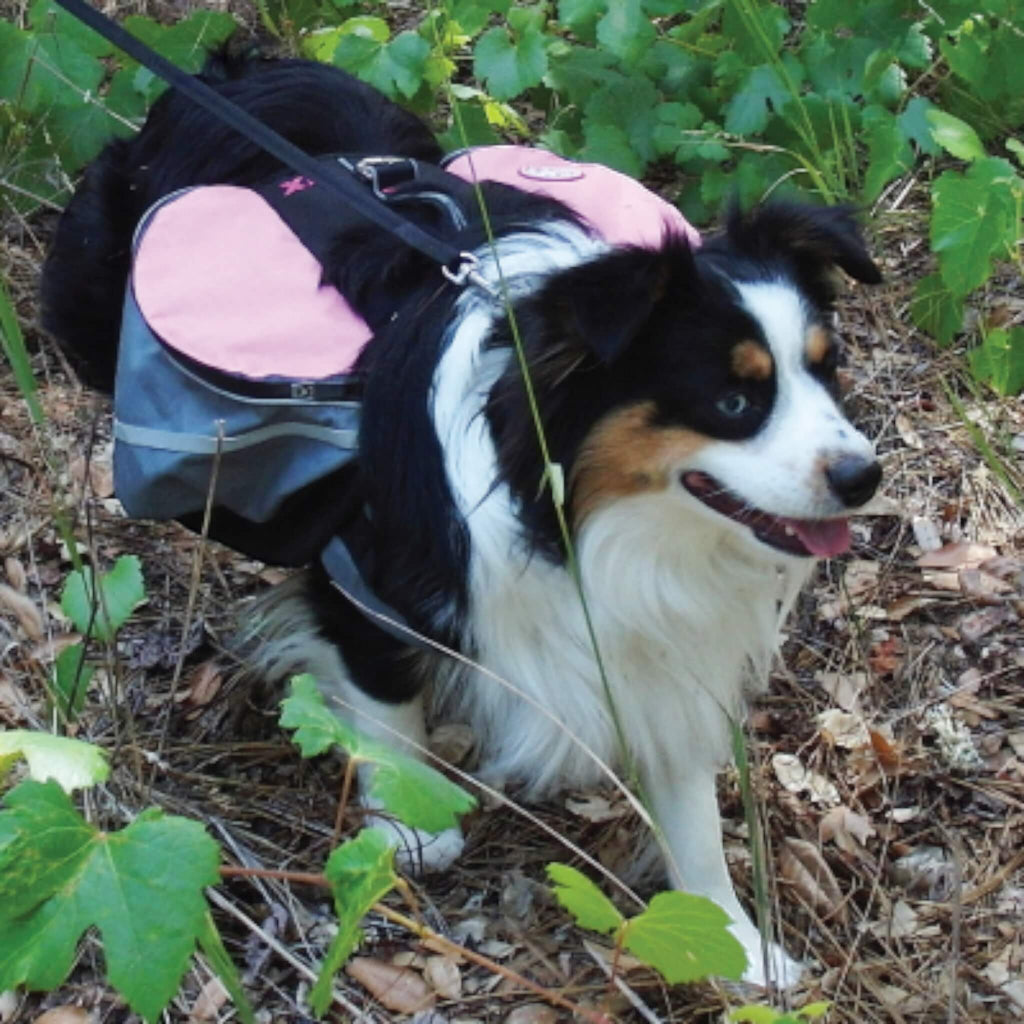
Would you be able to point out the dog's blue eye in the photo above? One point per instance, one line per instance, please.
(733, 404)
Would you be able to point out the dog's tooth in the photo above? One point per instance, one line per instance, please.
(790, 530)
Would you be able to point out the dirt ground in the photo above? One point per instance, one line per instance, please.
(889, 753)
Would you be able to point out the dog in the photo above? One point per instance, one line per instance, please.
(688, 394)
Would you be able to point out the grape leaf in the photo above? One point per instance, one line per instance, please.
(626, 31)
(999, 360)
(141, 887)
(685, 937)
(935, 309)
(119, 592)
(889, 153)
(412, 791)
(360, 871)
(956, 137)
(915, 127)
(46, 17)
(510, 66)
(396, 68)
(71, 763)
(748, 111)
(578, 894)
(756, 30)
(973, 221)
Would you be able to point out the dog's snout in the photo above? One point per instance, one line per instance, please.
(854, 479)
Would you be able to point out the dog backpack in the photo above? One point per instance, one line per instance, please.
(235, 386)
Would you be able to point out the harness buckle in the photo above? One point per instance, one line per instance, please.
(384, 172)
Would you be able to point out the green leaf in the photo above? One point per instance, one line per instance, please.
(473, 15)
(626, 31)
(756, 29)
(935, 309)
(914, 124)
(750, 107)
(71, 763)
(360, 872)
(141, 887)
(578, 894)
(581, 16)
(974, 220)
(510, 66)
(186, 43)
(46, 17)
(753, 1014)
(889, 153)
(608, 144)
(71, 677)
(629, 106)
(685, 937)
(213, 948)
(956, 137)
(396, 68)
(999, 360)
(412, 791)
(120, 591)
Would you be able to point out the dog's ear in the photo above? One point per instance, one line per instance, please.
(816, 238)
(605, 303)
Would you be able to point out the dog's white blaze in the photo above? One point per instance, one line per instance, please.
(780, 469)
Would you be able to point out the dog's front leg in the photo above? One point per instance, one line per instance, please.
(685, 808)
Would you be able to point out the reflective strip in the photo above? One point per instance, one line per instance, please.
(202, 444)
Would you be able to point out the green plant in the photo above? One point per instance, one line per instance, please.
(143, 886)
(98, 606)
(683, 936)
(65, 91)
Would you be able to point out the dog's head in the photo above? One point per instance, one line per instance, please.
(705, 378)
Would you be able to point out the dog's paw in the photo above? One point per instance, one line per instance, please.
(418, 852)
(783, 971)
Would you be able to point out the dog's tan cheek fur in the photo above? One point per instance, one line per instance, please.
(752, 361)
(625, 454)
(816, 344)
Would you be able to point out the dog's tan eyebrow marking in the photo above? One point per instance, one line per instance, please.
(816, 343)
(752, 360)
(624, 454)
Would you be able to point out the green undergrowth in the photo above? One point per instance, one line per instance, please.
(727, 98)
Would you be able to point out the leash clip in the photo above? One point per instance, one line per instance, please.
(467, 271)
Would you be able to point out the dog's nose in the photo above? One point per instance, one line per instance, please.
(853, 479)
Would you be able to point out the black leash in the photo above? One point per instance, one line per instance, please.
(458, 267)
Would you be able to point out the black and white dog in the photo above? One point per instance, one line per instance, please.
(689, 396)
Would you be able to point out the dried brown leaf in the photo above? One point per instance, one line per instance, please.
(204, 683)
(802, 865)
(843, 729)
(594, 808)
(960, 555)
(846, 828)
(23, 608)
(395, 988)
(64, 1015)
(844, 688)
(532, 1013)
(442, 974)
(15, 572)
(210, 1001)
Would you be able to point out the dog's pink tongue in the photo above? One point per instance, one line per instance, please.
(823, 537)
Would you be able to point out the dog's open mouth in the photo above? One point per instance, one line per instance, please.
(809, 537)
